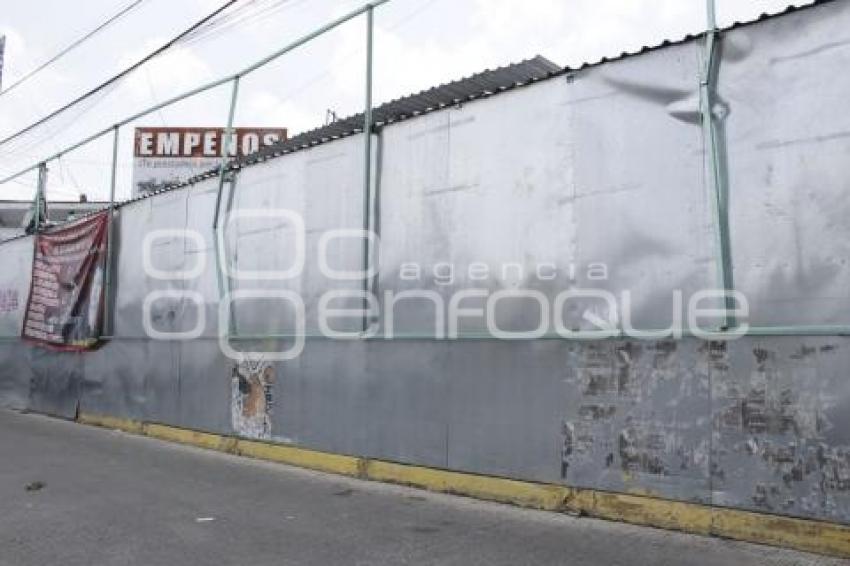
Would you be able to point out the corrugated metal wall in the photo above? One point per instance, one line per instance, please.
(605, 165)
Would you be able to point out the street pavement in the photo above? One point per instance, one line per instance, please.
(77, 495)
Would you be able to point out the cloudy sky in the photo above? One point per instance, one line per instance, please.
(418, 44)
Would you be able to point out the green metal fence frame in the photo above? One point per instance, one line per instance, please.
(715, 168)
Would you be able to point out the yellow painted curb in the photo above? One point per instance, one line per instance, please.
(801, 534)
(652, 511)
(527, 494)
(324, 462)
(126, 425)
(191, 437)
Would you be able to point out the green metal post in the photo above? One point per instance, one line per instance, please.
(110, 231)
(225, 149)
(220, 251)
(367, 163)
(711, 12)
(719, 201)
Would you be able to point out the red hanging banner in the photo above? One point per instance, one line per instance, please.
(65, 305)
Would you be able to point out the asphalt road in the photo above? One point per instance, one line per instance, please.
(112, 498)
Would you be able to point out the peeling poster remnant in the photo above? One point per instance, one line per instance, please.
(780, 435)
(632, 419)
(251, 399)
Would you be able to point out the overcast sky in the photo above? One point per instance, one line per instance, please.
(418, 43)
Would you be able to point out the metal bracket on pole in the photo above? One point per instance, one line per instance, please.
(716, 166)
(110, 231)
(367, 164)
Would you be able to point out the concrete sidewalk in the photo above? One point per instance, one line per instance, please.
(112, 498)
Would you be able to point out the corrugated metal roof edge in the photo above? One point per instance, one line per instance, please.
(693, 36)
(560, 72)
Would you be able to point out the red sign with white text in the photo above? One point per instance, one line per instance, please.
(65, 305)
(163, 157)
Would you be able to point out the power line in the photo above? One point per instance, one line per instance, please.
(167, 45)
(217, 22)
(72, 46)
(235, 18)
(50, 133)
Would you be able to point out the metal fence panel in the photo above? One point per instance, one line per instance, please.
(56, 378)
(781, 419)
(306, 195)
(551, 187)
(15, 275)
(782, 83)
(602, 166)
(153, 226)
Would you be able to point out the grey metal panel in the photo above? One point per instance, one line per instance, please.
(56, 379)
(506, 402)
(319, 398)
(201, 201)
(563, 174)
(135, 379)
(376, 399)
(620, 416)
(324, 187)
(784, 85)
(468, 186)
(204, 390)
(415, 162)
(636, 418)
(471, 186)
(404, 399)
(15, 274)
(15, 376)
(781, 414)
(638, 195)
(136, 222)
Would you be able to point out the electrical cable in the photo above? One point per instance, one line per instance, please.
(72, 46)
(114, 79)
(236, 18)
